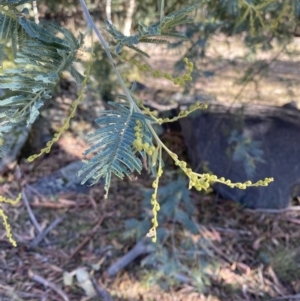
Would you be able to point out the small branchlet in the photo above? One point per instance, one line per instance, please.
(4, 217)
(205, 180)
(178, 80)
(66, 122)
(182, 114)
(198, 181)
(125, 131)
(165, 28)
(156, 206)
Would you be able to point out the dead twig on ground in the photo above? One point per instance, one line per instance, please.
(141, 248)
(61, 205)
(33, 190)
(288, 297)
(232, 231)
(44, 233)
(30, 213)
(103, 294)
(86, 239)
(49, 284)
(275, 211)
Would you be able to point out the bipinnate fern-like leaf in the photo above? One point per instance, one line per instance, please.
(40, 60)
(152, 34)
(10, 30)
(112, 145)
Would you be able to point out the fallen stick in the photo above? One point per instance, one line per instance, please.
(102, 293)
(288, 297)
(86, 240)
(44, 233)
(275, 211)
(30, 212)
(47, 283)
(141, 248)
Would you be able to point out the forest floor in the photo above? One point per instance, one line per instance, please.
(249, 254)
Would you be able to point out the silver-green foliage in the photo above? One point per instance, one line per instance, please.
(123, 144)
(126, 135)
(41, 55)
(182, 263)
(40, 58)
(165, 27)
(175, 204)
(10, 30)
(112, 145)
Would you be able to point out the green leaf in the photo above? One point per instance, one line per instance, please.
(40, 60)
(113, 146)
(38, 32)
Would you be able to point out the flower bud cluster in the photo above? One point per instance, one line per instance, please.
(179, 80)
(182, 114)
(4, 217)
(138, 142)
(203, 181)
(156, 206)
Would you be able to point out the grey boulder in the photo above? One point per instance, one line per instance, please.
(248, 142)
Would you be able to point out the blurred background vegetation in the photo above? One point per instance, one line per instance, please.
(262, 25)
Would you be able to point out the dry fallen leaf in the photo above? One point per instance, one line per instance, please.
(85, 282)
(83, 279)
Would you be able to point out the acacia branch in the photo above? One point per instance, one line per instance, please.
(106, 48)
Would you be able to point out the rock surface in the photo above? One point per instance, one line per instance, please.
(220, 139)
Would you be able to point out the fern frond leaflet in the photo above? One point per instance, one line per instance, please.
(155, 41)
(66, 122)
(113, 144)
(150, 34)
(36, 73)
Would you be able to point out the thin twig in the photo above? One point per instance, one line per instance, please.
(30, 212)
(32, 216)
(29, 187)
(202, 230)
(44, 233)
(228, 230)
(141, 248)
(103, 294)
(49, 284)
(293, 297)
(288, 209)
(86, 239)
(107, 50)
